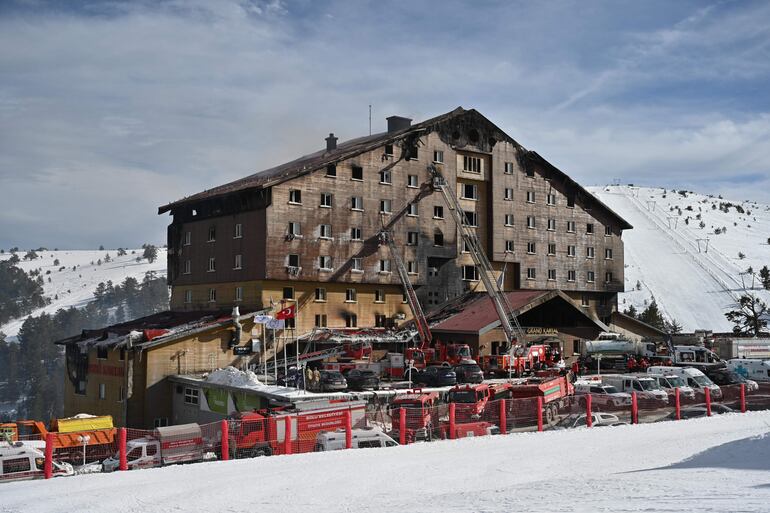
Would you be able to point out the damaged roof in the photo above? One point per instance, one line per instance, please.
(348, 149)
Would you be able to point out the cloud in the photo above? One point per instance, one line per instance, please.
(109, 109)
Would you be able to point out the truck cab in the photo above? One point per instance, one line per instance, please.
(140, 453)
(692, 377)
(603, 395)
(362, 438)
(470, 400)
(421, 414)
(19, 461)
(669, 382)
(644, 386)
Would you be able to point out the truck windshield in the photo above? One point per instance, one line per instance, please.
(648, 384)
(675, 381)
(702, 381)
(463, 396)
(610, 390)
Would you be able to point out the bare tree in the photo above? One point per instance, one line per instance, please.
(750, 318)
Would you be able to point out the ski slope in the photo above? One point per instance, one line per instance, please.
(708, 464)
(70, 287)
(667, 257)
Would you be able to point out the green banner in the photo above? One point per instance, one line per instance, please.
(247, 402)
(217, 400)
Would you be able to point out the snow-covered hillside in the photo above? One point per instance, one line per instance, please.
(708, 464)
(70, 287)
(666, 257)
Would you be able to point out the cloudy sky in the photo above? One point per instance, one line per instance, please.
(110, 109)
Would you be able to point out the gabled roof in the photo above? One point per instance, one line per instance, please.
(348, 149)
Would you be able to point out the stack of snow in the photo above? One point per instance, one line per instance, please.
(233, 377)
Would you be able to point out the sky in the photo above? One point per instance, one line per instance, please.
(110, 109)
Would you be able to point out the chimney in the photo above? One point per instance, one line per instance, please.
(396, 123)
(331, 143)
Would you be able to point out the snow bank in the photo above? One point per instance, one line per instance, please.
(233, 377)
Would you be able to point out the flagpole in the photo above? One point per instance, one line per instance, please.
(285, 356)
(264, 348)
(275, 358)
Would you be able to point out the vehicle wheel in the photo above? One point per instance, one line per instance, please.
(429, 433)
(262, 451)
(550, 415)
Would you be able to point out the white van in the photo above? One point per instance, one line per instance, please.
(363, 438)
(692, 377)
(750, 368)
(603, 395)
(21, 461)
(644, 386)
(669, 382)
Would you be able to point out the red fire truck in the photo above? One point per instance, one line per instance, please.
(421, 415)
(470, 401)
(522, 362)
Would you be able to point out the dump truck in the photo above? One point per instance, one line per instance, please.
(553, 389)
(167, 445)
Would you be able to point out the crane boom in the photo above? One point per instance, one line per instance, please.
(508, 320)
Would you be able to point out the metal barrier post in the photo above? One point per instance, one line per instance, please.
(451, 421)
(589, 417)
(48, 465)
(539, 413)
(503, 421)
(743, 398)
(402, 426)
(677, 404)
(348, 430)
(634, 409)
(287, 435)
(123, 457)
(225, 440)
(708, 401)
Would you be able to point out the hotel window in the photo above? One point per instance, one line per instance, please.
(350, 295)
(509, 168)
(385, 206)
(589, 252)
(584, 301)
(411, 181)
(326, 231)
(295, 196)
(412, 210)
(412, 238)
(508, 219)
(552, 225)
(187, 267)
(552, 249)
(438, 212)
(551, 199)
(466, 247)
(385, 176)
(438, 238)
(188, 296)
(412, 152)
(320, 294)
(187, 238)
(531, 273)
(608, 253)
(531, 222)
(571, 201)
(590, 277)
(530, 196)
(389, 150)
(238, 293)
(238, 232)
(571, 226)
(294, 229)
(212, 265)
(293, 261)
(531, 248)
(320, 320)
(432, 271)
(102, 353)
(331, 170)
(411, 267)
(384, 266)
(355, 233)
(530, 172)
(238, 262)
(607, 277)
(288, 293)
(351, 320)
(325, 263)
(608, 231)
(509, 246)
(438, 156)
(471, 218)
(551, 274)
(470, 273)
(470, 191)
(357, 264)
(357, 203)
(212, 295)
(357, 173)
(326, 200)
(570, 275)
(379, 296)
(508, 194)
(471, 164)
(380, 320)
(571, 251)
(121, 394)
(589, 228)
(212, 234)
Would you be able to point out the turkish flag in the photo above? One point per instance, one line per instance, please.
(286, 313)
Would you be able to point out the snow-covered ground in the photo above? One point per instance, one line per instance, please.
(70, 287)
(708, 464)
(668, 258)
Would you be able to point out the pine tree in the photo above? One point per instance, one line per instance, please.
(750, 318)
(764, 275)
(652, 316)
(631, 311)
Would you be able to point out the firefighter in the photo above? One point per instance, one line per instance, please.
(643, 364)
(575, 368)
(631, 364)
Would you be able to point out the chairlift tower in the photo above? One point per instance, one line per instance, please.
(705, 245)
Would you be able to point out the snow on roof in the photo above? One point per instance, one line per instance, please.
(232, 377)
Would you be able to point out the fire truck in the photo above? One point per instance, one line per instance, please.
(263, 432)
(470, 401)
(553, 389)
(422, 415)
(521, 362)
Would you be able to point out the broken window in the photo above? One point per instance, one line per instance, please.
(471, 164)
(357, 173)
(331, 170)
(438, 212)
(470, 273)
(295, 196)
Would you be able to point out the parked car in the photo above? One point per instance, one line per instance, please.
(362, 379)
(436, 376)
(699, 411)
(469, 372)
(362, 438)
(645, 387)
(598, 419)
(725, 377)
(331, 381)
(691, 376)
(603, 396)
